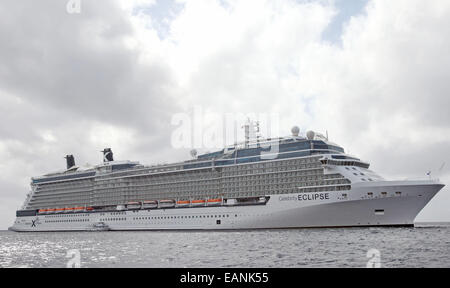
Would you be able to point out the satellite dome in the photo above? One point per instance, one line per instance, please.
(193, 153)
(310, 135)
(295, 131)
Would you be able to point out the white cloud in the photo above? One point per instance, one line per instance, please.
(382, 94)
(387, 84)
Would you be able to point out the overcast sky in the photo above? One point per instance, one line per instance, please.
(374, 74)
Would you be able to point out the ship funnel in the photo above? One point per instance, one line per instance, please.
(107, 155)
(70, 160)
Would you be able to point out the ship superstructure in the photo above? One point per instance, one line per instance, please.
(285, 182)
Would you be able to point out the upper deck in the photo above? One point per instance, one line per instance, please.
(264, 150)
(249, 169)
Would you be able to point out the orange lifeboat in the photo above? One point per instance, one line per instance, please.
(198, 202)
(183, 203)
(216, 201)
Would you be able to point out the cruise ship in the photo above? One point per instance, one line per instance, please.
(307, 181)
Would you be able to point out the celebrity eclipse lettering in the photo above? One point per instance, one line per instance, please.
(313, 196)
(306, 197)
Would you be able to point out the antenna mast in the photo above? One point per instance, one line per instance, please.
(251, 129)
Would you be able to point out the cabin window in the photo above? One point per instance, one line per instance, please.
(379, 212)
(218, 222)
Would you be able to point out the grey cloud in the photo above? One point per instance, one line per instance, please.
(64, 74)
(79, 62)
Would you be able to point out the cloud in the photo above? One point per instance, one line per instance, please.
(384, 92)
(73, 84)
(386, 85)
(380, 92)
(80, 63)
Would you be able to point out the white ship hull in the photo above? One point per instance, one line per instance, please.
(382, 203)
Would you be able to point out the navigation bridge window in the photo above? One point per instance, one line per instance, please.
(346, 162)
